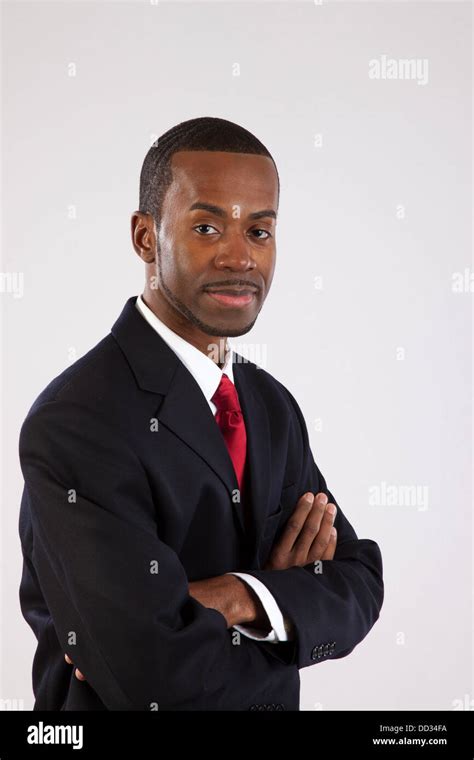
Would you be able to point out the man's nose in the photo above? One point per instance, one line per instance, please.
(235, 253)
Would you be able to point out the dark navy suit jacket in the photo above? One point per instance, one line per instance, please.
(129, 494)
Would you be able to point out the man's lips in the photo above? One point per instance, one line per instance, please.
(232, 296)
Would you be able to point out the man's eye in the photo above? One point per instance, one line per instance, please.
(204, 228)
(265, 232)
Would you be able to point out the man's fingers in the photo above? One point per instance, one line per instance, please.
(77, 673)
(295, 523)
(311, 528)
(331, 547)
(306, 535)
(321, 542)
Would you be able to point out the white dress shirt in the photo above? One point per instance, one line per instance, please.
(208, 376)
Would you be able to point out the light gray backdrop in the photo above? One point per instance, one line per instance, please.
(368, 322)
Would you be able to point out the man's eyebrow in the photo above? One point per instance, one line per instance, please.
(265, 212)
(218, 211)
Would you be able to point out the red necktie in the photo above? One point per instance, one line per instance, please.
(230, 419)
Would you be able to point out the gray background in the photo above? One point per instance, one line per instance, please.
(75, 145)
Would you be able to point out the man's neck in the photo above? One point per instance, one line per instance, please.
(216, 348)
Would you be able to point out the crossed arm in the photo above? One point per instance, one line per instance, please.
(309, 535)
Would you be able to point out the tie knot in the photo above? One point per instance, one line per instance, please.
(225, 398)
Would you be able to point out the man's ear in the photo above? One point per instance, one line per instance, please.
(143, 236)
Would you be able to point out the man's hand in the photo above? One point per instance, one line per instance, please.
(78, 673)
(233, 598)
(309, 534)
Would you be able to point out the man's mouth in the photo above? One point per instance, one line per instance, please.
(233, 297)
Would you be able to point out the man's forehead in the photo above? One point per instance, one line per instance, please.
(201, 171)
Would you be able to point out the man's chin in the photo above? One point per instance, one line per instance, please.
(225, 331)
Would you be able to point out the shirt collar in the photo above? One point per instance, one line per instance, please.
(204, 370)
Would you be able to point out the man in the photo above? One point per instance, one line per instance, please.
(180, 545)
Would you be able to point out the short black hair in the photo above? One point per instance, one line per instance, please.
(204, 133)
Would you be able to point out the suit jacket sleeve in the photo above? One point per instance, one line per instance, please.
(333, 610)
(117, 594)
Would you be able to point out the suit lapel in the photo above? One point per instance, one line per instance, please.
(186, 412)
(258, 444)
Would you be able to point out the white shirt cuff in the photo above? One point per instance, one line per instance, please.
(274, 614)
